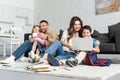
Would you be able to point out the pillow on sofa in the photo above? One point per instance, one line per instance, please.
(26, 36)
(95, 33)
(112, 30)
(103, 38)
(60, 33)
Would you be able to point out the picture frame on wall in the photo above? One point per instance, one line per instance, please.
(107, 6)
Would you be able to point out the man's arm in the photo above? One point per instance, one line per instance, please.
(51, 36)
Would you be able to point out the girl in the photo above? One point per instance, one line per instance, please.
(36, 39)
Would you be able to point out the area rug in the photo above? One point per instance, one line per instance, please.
(79, 72)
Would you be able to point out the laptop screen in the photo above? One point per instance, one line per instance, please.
(82, 44)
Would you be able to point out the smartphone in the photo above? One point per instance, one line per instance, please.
(34, 35)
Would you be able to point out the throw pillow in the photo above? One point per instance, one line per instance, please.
(60, 33)
(103, 38)
(95, 33)
(112, 29)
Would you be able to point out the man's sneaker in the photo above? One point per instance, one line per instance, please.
(25, 59)
(71, 62)
(7, 61)
(32, 54)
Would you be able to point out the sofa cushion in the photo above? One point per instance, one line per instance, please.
(103, 38)
(107, 47)
(117, 41)
(112, 30)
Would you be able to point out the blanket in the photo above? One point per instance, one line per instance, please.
(80, 71)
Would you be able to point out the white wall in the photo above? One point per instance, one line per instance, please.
(59, 13)
(29, 4)
(19, 13)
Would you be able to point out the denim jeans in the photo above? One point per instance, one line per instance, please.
(41, 49)
(25, 47)
(66, 55)
(57, 47)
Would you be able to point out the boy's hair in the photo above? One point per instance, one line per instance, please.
(44, 21)
(87, 27)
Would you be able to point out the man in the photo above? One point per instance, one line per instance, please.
(27, 45)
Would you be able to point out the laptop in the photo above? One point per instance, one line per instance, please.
(82, 44)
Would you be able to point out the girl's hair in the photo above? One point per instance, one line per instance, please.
(87, 27)
(34, 27)
(71, 27)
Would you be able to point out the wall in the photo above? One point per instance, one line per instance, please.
(19, 3)
(59, 13)
(18, 13)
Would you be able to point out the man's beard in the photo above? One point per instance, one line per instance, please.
(43, 31)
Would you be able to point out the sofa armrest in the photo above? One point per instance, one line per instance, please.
(117, 41)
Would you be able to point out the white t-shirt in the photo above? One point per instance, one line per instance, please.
(65, 36)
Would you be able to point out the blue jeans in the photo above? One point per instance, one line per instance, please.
(25, 47)
(41, 49)
(57, 47)
(66, 55)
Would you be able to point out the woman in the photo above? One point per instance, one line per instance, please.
(74, 30)
(64, 50)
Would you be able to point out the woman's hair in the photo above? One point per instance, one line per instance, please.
(34, 27)
(87, 27)
(71, 27)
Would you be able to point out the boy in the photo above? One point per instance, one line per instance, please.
(86, 33)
